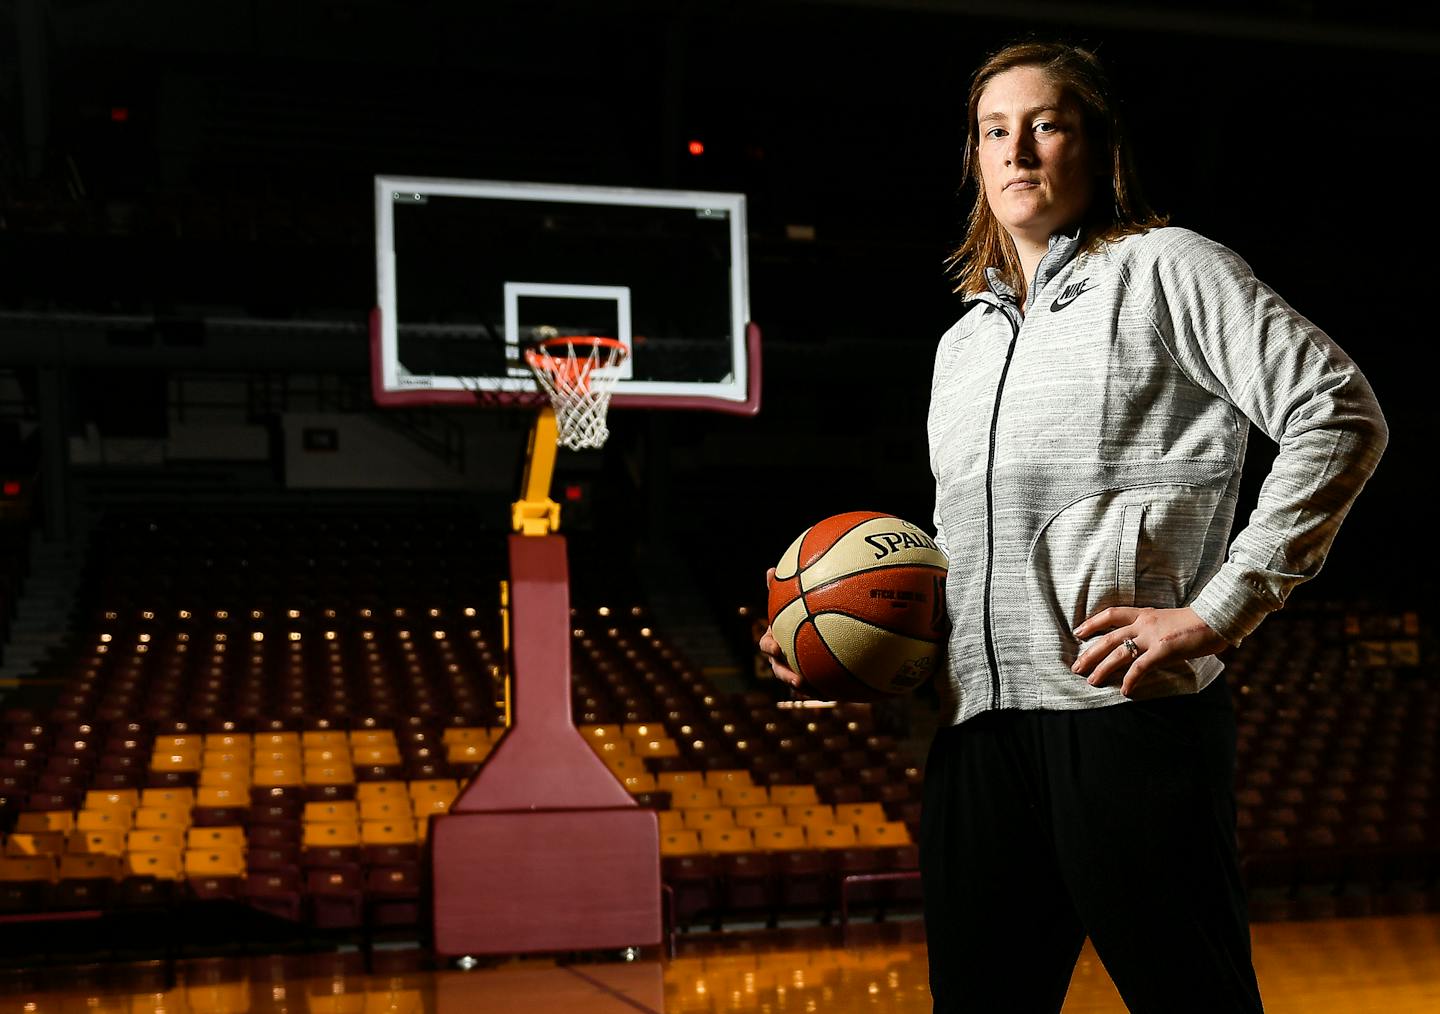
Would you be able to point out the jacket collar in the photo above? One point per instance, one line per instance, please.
(1061, 250)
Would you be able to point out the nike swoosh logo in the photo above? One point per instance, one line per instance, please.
(1071, 293)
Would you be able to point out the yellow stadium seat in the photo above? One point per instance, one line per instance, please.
(671, 781)
(780, 839)
(104, 820)
(465, 734)
(222, 838)
(28, 867)
(680, 843)
(187, 743)
(45, 820)
(726, 778)
(624, 764)
(155, 839)
(613, 747)
(805, 816)
(92, 866)
(332, 739)
(387, 808)
(166, 798)
(277, 741)
(267, 757)
(333, 812)
(317, 756)
(372, 755)
(759, 816)
(890, 832)
(426, 805)
(467, 753)
(175, 760)
(103, 843)
(381, 790)
(235, 778)
(226, 760)
(672, 820)
(388, 832)
(859, 813)
(371, 737)
(214, 863)
(329, 774)
(422, 828)
(643, 730)
(163, 863)
(793, 795)
(744, 795)
(112, 799)
(223, 796)
(278, 775)
(698, 818)
(592, 733)
(162, 816)
(727, 839)
(35, 843)
(830, 836)
(684, 799)
(436, 788)
(655, 747)
(239, 741)
(640, 781)
(215, 998)
(317, 835)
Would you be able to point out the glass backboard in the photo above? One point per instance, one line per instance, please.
(469, 273)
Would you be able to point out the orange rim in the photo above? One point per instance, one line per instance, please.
(554, 356)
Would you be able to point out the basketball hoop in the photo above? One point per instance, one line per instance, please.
(573, 372)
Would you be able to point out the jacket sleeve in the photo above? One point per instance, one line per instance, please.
(1238, 340)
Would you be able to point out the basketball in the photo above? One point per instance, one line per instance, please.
(858, 606)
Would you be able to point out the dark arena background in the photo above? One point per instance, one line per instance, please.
(253, 637)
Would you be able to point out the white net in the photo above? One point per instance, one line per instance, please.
(573, 372)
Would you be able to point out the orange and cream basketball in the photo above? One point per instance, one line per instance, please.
(858, 606)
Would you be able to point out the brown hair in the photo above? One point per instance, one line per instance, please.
(1116, 211)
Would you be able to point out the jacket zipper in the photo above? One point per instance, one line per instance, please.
(991, 657)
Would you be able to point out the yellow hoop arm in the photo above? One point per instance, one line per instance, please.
(535, 513)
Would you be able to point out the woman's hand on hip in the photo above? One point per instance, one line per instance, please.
(1133, 642)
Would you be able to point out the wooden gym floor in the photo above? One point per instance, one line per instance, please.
(1389, 965)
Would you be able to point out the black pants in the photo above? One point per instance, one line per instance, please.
(1040, 827)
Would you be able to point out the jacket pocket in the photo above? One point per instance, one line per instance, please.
(1127, 552)
(1144, 546)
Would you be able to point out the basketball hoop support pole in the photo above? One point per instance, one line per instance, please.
(544, 850)
(535, 513)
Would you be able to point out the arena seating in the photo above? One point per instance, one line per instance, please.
(1338, 728)
(266, 712)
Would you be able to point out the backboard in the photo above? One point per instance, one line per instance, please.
(471, 272)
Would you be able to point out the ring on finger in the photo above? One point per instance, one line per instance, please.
(1132, 648)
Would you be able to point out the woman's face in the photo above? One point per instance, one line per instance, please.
(1034, 158)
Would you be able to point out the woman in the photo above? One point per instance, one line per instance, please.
(1087, 431)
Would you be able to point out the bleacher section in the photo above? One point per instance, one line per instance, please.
(267, 712)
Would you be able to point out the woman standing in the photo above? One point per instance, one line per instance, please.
(1087, 431)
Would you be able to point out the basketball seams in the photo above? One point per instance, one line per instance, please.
(849, 575)
(811, 617)
(854, 519)
(864, 692)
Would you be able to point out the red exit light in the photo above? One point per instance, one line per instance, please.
(697, 148)
(11, 487)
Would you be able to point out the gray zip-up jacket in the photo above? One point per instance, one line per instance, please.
(1088, 454)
